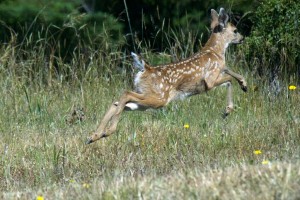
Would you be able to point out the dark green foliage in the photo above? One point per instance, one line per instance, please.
(177, 28)
(273, 47)
(154, 21)
(60, 23)
(51, 35)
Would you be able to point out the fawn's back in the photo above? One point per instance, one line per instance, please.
(190, 76)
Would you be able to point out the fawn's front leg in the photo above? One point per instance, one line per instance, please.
(238, 77)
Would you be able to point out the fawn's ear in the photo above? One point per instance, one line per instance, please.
(214, 19)
(223, 18)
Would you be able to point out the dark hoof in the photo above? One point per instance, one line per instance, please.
(224, 115)
(89, 141)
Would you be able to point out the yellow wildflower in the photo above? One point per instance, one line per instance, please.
(39, 198)
(265, 162)
(292, 87)
(257, 152)
(86, 185)
(186, 126)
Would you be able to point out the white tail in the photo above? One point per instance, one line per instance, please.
(156, 86)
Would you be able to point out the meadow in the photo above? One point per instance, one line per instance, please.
(184, 151)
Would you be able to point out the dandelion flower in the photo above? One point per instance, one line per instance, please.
(39, 198)
(186, 126)
(257, 152)
(86, 185)
(292, 87)
(265, 162)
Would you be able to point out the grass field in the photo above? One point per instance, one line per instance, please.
(184, 151)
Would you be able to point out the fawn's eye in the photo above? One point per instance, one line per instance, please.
(235, 31)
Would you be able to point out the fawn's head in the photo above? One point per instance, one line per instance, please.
(220, 25)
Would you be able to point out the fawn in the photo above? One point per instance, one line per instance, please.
(156, 86)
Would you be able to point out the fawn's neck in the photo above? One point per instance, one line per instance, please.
(217, 44)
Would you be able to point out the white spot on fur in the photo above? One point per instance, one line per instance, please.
(208, 63)
(207, 74)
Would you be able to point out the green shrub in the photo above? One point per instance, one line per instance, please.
(47, 40)
(273, 47)
(60, 23)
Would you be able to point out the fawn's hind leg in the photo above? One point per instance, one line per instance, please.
(134, 101)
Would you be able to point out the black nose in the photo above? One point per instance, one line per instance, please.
(240, 41)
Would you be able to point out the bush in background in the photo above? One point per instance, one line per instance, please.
(61, 23)
(273, 46)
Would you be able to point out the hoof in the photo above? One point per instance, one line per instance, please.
(89, 141)
(244, 88)
(227, 111)
(95, 137)
(225, 114)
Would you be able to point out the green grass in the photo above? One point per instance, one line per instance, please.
(152, 155)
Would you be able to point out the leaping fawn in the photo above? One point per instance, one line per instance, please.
(156, 87)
